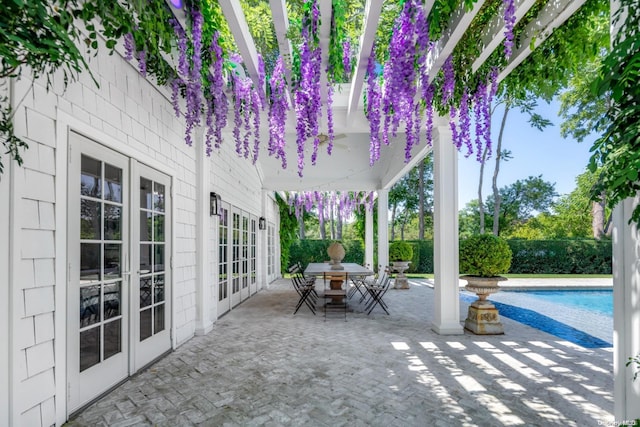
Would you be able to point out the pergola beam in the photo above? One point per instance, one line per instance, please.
(553, 15)
(372, 12)
(493, 34)
(324, 36)
(443, 48)
(281, 25)
(240, 29)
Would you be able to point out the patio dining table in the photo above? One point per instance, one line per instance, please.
(324, 269)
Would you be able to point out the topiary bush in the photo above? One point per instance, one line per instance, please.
(484, 255)
(400, 250)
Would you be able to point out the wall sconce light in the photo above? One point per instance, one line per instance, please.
(262, 223)
(214, 204)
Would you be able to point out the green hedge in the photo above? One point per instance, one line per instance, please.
(529, 256)
(561, 256)
(306, 251)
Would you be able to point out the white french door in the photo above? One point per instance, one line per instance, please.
(236, 260)
(224, 269)
(244, 255)
(152, 291)
(253, 280)
(99, 262)
(119, 282)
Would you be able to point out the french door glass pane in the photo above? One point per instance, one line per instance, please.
(158, 197)
(112, 338)
(112, 261)
(89, 348)
(145, 259)
(89, 261)
(145, 291)
(112, 298)
(146, 194)
(158, 318)
(112, 222)
(158, 287)
(145, 324)
(113, 183)
(158, 227)
(89, 219)
(91, 177)
(89, 305)
(146, 226)
(158, 261)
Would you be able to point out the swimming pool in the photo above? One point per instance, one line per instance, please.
(584, 317)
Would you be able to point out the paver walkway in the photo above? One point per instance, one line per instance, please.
(261, 365)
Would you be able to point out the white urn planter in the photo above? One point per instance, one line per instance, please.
(483, 317)
(401, 281)
(336, 254)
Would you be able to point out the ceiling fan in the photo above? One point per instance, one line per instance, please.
(324, 140)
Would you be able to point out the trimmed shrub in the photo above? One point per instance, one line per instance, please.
(484, 255)
(400, 250)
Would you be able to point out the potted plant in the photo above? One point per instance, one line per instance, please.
(484, 257)
(400, 255)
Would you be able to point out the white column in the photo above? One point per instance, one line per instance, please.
(383, 228)
(368, 238)
(203, 293)
(263, 280)
(626, 310)
(446, 313)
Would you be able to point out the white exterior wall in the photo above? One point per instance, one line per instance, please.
(5, 370)
(626, 311)
(130, 115)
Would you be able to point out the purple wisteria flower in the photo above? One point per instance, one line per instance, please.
(465, 123)
(399, 72)
(373, 109)
(279, 106)
(428, 93)
(129, 46)
(256, 106)
(449, 84)
(219, 98)
(479, 100)
(509, 23)
(194, 82)
(330, 116)
(307, 96)
(142, 63)
(346, 58)
(175, 95)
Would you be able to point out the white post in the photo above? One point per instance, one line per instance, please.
(446, 311)
(383, 228)
(626, 310)
(368, 238)
(203, 322)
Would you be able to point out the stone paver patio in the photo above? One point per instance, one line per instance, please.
(261, 365)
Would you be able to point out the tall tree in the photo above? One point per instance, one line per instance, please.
(520, 200)
(527, 105)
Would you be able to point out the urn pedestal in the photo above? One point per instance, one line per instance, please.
(401, 281)
(483, 317)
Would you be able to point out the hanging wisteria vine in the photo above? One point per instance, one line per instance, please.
(340, 204)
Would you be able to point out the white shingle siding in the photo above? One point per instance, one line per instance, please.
(134, 112)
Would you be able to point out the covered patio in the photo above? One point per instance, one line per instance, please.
(171, 296)
(373, 370)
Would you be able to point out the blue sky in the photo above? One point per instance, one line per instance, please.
(545, 153)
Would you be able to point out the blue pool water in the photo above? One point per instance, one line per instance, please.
(583, 317)
(599, 301)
